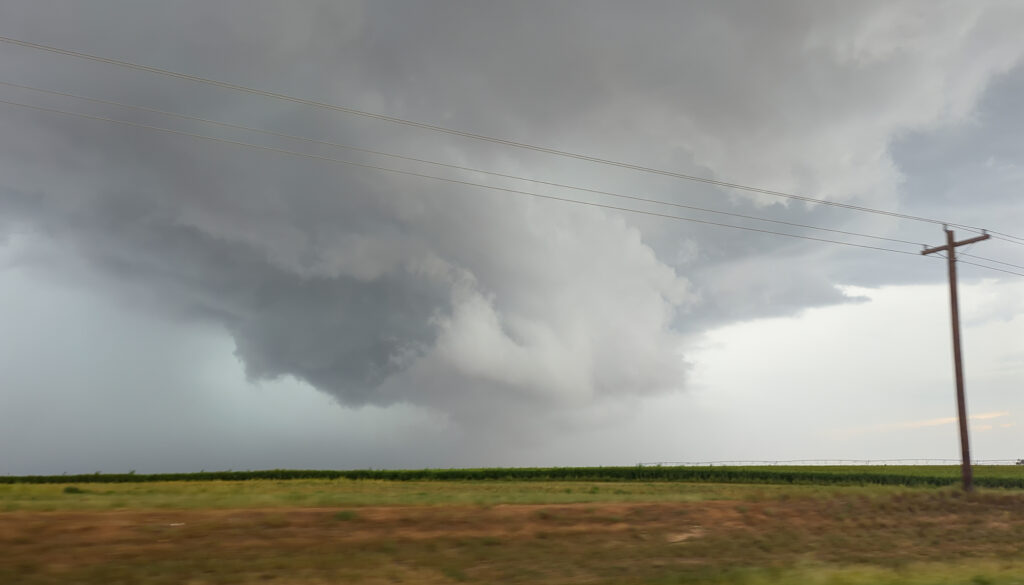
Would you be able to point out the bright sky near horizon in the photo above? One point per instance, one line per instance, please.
(169, 303)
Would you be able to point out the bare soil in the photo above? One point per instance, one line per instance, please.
(593, 543)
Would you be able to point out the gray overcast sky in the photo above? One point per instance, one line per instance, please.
(170, 303)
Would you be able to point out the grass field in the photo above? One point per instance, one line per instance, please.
(312, 531)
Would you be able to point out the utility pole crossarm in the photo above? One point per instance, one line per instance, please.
(958, 367)
(984, 236)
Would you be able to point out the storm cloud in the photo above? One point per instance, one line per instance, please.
(381, 289)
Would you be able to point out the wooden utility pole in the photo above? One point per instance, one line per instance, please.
(958, 366)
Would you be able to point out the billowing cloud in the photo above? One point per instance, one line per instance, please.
(379, 289)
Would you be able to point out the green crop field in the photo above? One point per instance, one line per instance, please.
(647, 525)
(935, 475)
(995, 476)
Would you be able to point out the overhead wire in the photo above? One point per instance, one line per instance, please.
(470, 135)
(1006, 238)
(452, 166)
(446, 179)
(471, 169)
(990, 267)
(958, 260)
(1007, 235)
(473, 184)
(991, 260)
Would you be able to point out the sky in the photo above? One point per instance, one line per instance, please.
(175, 303)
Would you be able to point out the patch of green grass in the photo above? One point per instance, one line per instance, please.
(346, 515)
(343, 493)
(969, 573)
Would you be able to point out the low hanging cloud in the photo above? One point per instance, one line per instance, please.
(383, 290)
(493, 303)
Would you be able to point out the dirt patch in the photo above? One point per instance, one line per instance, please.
(503, 543)
(693, 532)
(127, 530)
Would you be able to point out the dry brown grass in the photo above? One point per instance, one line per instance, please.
(895, 538)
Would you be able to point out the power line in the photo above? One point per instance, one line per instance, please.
(991, 267)
(448, 180)
(1007, 238)
(941, 256)
(481, 171)
(452, 166)
(470, 135)
(991, 260)
(472, 184)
